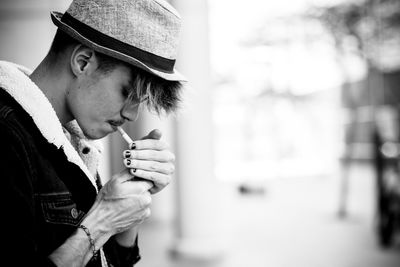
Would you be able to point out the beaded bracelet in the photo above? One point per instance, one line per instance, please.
(91, 241)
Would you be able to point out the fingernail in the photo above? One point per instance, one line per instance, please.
(127, 154)
(133, 171)
(128, 162)
(133, 146)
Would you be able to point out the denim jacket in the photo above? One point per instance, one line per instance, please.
(46, 188)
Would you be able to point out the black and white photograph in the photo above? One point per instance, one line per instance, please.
(200, 133)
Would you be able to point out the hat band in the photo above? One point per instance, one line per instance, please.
(151, 60)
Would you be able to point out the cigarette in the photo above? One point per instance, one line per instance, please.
(125, 135)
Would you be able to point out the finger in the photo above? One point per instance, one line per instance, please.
(139, 186)
(124, 175)
(161, 156)
(149, 144)
(154, 166)
(155, 189)
(160, 180)
(154, 134)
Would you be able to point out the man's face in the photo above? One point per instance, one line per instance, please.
(99, 101)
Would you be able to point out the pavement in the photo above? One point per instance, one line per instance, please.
(289, 223)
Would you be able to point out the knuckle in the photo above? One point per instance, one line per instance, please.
(140, 203)
(154, 166)
(147, 213)
(144, 202)
(148, 200)
(171, 169)
(153, 154)
(153, 177)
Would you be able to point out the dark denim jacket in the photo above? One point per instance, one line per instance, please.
(43, 195)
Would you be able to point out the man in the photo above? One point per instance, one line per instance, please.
(107, 59)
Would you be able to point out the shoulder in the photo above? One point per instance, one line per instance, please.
(16, 126)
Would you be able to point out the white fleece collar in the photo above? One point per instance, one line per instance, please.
(15, 81)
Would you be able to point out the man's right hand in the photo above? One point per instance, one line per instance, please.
(121, 203)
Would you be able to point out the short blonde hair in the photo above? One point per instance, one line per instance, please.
(160, 95)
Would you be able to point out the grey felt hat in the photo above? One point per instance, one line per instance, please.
(144, 33)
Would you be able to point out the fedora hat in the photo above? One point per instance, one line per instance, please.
(143, 33)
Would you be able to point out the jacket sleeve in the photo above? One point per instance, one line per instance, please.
(18, 222)
(121, 256)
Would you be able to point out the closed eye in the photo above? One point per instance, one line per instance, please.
(125, 92)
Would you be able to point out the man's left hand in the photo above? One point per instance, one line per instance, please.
(150, 158)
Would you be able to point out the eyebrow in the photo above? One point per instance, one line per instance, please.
(129, 88)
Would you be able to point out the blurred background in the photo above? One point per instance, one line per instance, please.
(287, 141)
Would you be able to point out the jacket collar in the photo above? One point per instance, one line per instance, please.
(14, 80)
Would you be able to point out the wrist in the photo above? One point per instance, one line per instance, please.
(92, 243)
(99, 233)
(77, 250)
(128, 237)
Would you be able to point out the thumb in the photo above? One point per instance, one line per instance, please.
(123, 175)
(154, 134)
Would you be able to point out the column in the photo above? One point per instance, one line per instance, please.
(197, 228)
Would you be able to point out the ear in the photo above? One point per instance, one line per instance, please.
(83, 60)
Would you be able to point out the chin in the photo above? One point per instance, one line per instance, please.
(95, 133)
(96, 136)
(93, 130)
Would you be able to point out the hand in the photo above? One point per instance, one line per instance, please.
(150, 159)
(123, 203)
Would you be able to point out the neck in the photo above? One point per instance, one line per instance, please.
(53, 81)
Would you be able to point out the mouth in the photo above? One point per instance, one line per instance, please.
(115, 124)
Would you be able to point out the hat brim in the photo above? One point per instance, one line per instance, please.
(173, 76)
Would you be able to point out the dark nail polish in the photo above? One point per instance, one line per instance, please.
(127, 154)
(128, 162)
(133, 146)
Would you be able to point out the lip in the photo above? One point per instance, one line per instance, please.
(115, 125)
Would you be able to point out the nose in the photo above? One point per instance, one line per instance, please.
(130, 111)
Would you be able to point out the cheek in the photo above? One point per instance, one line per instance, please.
(103, 111)
(107, 104)
(96, 102)
(81, 102)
